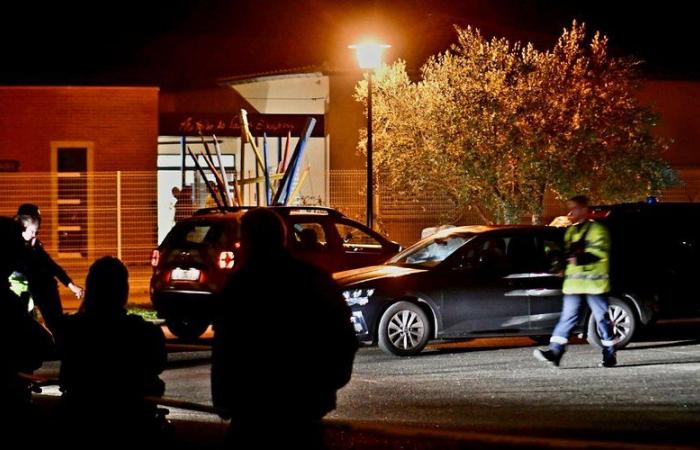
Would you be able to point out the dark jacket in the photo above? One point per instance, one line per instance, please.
(41, 270)
(283, 342)
(113, 360)
(24, 344)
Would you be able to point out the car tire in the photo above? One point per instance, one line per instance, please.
(624, 324)
(187, 329)
(404, 329)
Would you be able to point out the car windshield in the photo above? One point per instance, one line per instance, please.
(432, 251)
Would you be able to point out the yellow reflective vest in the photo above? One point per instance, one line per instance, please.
(592, 275)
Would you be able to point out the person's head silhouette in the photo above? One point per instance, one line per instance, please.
(12, 246)
(262, 233)
(308, 239)
(29, 209)
(106, 287)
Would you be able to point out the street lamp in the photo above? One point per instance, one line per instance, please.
(369, 57)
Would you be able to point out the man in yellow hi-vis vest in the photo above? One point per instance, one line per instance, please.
(587, 276)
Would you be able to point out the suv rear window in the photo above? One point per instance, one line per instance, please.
(200, 233)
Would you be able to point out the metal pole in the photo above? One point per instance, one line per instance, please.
(370, 184)
(119, 214)
(183, 160)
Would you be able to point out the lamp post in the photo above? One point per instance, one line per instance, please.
(369, 57)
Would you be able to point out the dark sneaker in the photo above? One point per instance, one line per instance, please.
(609, 360)
(547, 356)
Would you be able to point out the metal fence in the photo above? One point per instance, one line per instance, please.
(86, 216)
(403, 219)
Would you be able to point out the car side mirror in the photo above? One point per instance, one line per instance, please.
(347, 238)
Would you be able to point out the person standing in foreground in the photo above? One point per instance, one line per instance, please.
(41, 270)
(587, 276)
(283, 343)
(110, 361)
(24, 343)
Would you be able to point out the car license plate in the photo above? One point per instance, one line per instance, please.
(179, 274)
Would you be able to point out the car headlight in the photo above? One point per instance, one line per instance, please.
(359, 297)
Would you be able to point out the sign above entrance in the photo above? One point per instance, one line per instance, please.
(183, 124)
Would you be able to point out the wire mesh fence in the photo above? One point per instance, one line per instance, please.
(403, 219)
(400, 217)
(89, 215)
(86, 216)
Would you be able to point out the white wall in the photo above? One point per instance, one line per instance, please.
(289, 94)
(315, 159)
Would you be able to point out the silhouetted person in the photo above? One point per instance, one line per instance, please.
(308, 241)
(24, 343)
(41, 270)
(184, 206)
(110, 361)
(283, 343)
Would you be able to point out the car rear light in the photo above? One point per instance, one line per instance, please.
(226, 260)
(155, 258)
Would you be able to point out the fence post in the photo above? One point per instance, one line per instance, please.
(119, 214)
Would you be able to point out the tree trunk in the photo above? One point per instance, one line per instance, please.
(539, 207)
(510, 215)
(482, 214)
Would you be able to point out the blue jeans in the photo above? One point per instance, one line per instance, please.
(570, 316)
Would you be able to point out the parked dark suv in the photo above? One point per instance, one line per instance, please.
(194, 260)
(471, 282)
(656, 254)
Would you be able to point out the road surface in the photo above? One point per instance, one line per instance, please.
(496, 386)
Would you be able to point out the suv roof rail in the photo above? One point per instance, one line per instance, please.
(319, 209)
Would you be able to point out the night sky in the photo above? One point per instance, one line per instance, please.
(181, 44)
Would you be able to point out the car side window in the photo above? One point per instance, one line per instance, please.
(502, 254)
(485, 254)
(552, 254)
(355, 239)
(309, 237)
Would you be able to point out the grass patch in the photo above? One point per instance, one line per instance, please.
(146, 313)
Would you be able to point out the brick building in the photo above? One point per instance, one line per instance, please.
(77, 152)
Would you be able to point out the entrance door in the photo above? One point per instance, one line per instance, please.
(72, 224)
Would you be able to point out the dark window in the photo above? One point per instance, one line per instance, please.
(72, 201)
(505, 254)
(354, 238)
(309, 236)
(72, 160)
(192, 233)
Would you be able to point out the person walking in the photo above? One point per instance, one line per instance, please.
(586, 279)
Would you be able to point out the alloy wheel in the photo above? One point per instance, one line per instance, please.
(406, 330)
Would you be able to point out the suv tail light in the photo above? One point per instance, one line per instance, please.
(155, 258)
(226, 260)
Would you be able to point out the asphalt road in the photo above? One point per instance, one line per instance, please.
(496, 386)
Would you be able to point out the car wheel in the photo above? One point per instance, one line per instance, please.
(187, 329)
(403, 329)
(624, 324)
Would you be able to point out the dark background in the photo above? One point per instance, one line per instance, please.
(180, 44)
